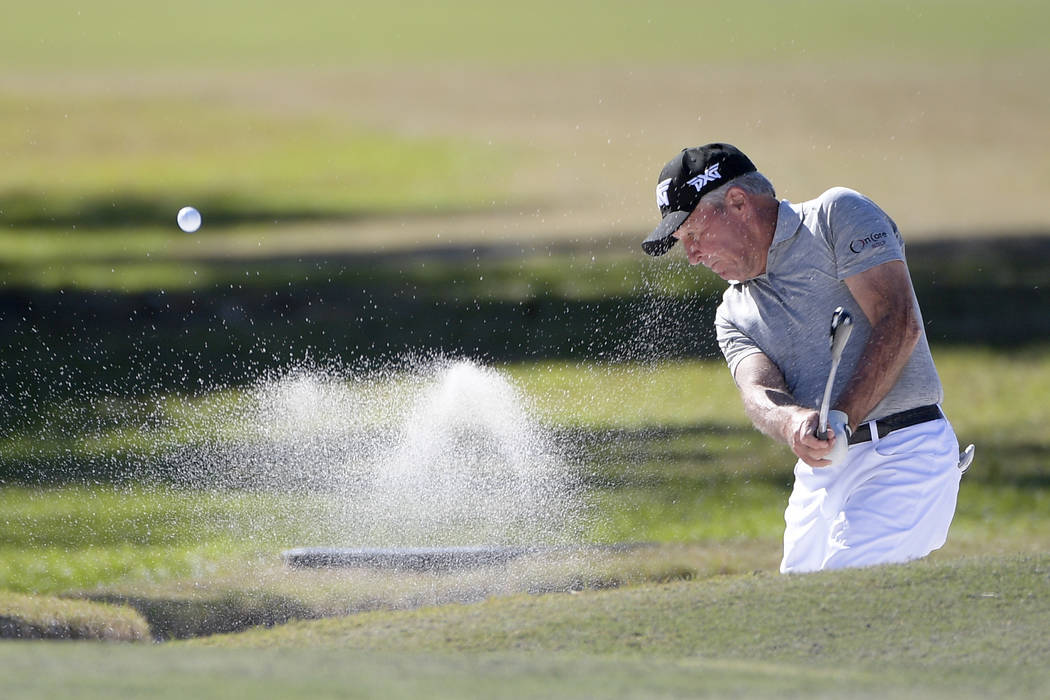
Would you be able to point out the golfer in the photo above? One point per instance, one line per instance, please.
(882, 487)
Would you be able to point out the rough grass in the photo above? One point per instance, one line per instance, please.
(953, 628)
(41, 617)
(953, 623)
(222, 602)
(923, 614)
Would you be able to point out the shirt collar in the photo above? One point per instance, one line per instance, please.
(789, 219)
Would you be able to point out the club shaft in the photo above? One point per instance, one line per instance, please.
(825, 403)
(841, 327)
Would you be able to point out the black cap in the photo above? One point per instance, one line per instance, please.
(684, 180)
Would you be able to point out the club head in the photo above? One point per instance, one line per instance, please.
(840, 318)
(841, 327)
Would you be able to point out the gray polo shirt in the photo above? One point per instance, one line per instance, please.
(786, 312)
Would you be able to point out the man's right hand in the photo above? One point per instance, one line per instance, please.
(773, 410)
(804, 442)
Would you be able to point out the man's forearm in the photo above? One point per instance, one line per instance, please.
(879, 368)
(773, 410)
(886, 297)
(889, 347)
(767, 401)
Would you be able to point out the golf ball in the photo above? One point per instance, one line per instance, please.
(189, 219)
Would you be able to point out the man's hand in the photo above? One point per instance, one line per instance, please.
(804, 441)
(773, 410)
(810, 448)
(838, 426)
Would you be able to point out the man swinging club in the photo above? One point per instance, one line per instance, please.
(881, 486)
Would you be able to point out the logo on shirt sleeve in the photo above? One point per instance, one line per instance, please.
(875, 240)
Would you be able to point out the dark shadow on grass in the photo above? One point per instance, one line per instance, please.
(233, 611)
(74, 345)
(82, 342)
(125, 210)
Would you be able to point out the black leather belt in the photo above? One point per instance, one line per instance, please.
(904, 419)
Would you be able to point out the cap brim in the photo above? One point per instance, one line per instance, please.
(662, 237)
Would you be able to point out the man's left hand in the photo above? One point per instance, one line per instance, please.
(838, 425)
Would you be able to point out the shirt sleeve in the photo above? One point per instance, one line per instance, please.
(862, 235)
(734, 343)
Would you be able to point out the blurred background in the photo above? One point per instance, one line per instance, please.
(420, 266)
(383, 180)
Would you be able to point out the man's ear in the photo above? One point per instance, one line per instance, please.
(736, 200)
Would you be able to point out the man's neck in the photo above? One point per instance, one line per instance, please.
(767, 210)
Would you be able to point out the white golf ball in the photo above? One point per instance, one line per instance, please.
(189, 219)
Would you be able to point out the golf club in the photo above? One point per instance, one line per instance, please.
(841, 327)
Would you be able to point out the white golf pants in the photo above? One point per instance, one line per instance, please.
(891, 501)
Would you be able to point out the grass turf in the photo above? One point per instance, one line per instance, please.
(93, 671)
(93, 150)
(982, 611)
(545, 133)
(63, 34)
(679, 463)
(40, 617)
(964, 628)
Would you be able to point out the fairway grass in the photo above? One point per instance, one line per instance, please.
(405, 126)
(396, 177)
(48, 670)
(989, 610)
(547, 156)
(972, 625)
(678, 464)
(961, 629)
(268, 34)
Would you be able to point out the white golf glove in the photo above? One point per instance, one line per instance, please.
(838, 423)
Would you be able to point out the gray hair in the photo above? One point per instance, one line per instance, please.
(752, 183)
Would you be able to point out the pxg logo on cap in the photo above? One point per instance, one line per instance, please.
(685, 180)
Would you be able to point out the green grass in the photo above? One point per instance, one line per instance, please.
(970, 621)
(167, 672)
(678, 463)
(69, 538)
(107, 167)
(38, 617)
(968, 628)
(116, 34)
(950, 612)
(962, 628)
(357, 128)
(325, 145)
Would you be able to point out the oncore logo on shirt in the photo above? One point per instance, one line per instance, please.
(661, 193)
(875, 240)
(709, 175)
